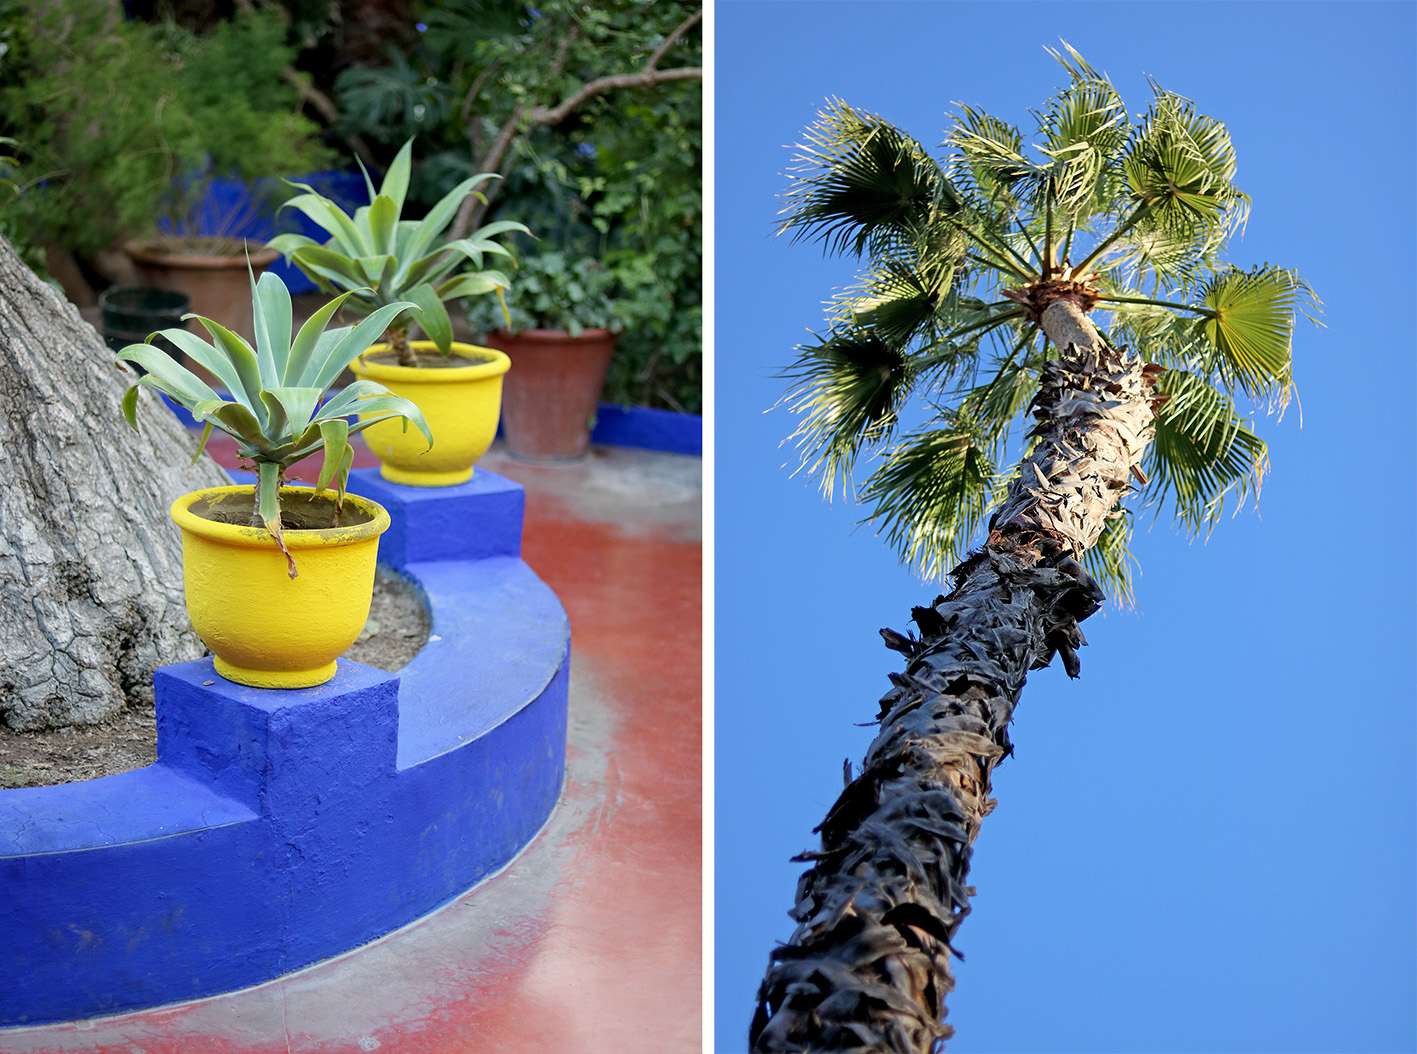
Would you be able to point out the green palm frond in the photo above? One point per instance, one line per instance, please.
(1162, 335)
(907, 302)
(1202, 453)
(848, 388)
(897, 301)
(1109, 558)
(1161, 258)
(1005, 397)
(931, 492)
(993, 158)
(1251, 325)
(1179, 166)
(860, 177)
(1084, 128)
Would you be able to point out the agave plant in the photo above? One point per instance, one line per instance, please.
(381, 259)
(276, 408)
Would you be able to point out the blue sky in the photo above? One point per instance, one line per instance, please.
(1208, 842)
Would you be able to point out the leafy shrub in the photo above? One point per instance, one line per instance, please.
(120, 121)
(549, 292)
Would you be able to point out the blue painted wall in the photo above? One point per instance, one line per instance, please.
(279, 828)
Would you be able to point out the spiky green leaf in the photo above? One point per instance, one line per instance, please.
(859, 176)
(1203, 453)
(930, 494)
(847, 389)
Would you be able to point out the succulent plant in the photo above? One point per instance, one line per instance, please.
(275, 404)
(381, 259)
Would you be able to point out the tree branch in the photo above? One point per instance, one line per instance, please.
(683, 28)
(601, 85)
(472, 209)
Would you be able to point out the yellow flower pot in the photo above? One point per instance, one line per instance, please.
(265, 628)
(461, 404)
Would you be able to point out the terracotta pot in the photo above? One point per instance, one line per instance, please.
(551, 394)
(218, 286)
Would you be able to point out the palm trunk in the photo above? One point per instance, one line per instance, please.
(867, 968)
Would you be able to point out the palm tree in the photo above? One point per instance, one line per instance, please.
(971, 307)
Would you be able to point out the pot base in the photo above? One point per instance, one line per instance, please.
(409, 478)
(275, 678)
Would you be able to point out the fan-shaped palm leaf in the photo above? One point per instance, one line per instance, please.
(1084, 128)
(848, 389)
(1179, 166)
(993, 159)
(1202, 452)
(1251, 324)
(896, 301)
(860, 176)
(931, 491)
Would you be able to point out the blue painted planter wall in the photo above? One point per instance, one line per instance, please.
(641, 426)
(279, 828)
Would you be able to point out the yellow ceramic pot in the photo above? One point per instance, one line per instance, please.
(265, 628)
(461, 404)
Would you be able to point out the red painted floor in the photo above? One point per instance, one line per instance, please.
(590, 941)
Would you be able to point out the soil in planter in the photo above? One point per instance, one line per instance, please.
(428, 360)
(299, 510)
(397, 629)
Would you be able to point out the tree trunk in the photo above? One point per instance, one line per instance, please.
(90, 565)
(867, 968)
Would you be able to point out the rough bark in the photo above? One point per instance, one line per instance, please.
(90, 564)
(868, 968)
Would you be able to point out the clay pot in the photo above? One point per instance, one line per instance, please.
(550, 395)
(218, 286)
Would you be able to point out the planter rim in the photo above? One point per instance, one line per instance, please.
(259, 538)
(139, 251)
(589, 333)
(495, 363)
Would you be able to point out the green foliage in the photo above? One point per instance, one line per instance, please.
(1203, 451)
(381, 258)
(276, 408)
(645, 201)
(246, 115)
(953, 249)
(860, 176)
(10, 190)
(618, 181)
(94, 106)
(932, 491)
(393, 103)
(121, 121)
(848, 388)
(551, 292)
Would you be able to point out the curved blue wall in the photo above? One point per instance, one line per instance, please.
(279, 828)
